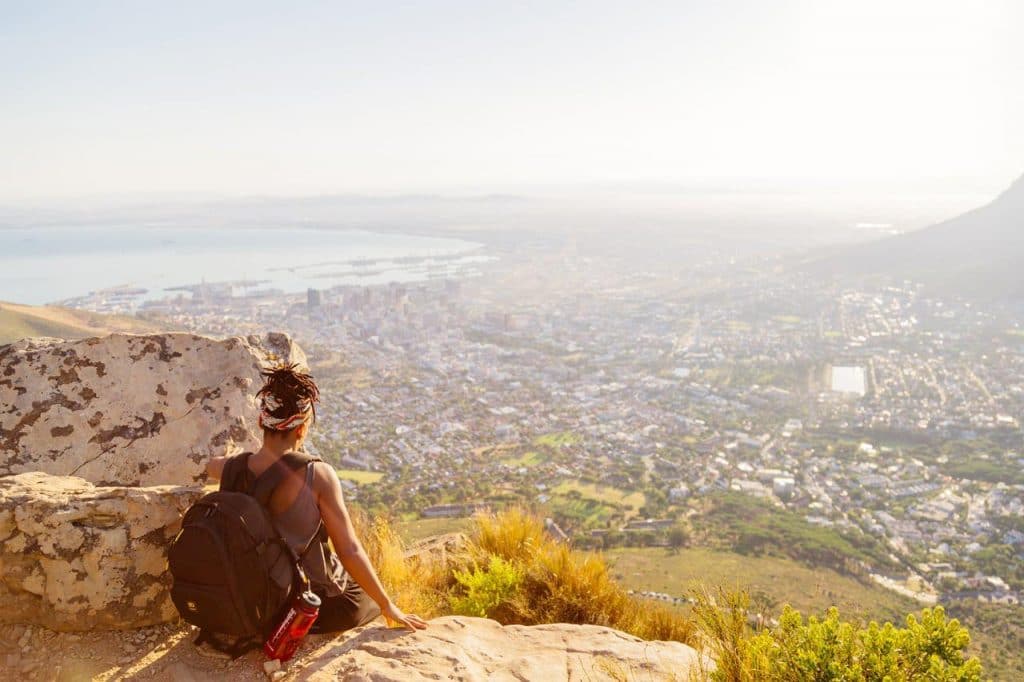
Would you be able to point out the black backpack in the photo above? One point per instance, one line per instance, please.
(233, 572)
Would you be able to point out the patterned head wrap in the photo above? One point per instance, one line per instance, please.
(286, 399)
(269, 404)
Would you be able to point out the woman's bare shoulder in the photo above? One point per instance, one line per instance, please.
(325, 479)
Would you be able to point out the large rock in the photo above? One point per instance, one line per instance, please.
(131, 410)
(459, 648)
(74, 556)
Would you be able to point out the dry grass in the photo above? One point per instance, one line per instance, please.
(768, 579)
(419, 584)
(514, 535)
(21, 321)
(559, 585)
(562, 585)
(722, 621)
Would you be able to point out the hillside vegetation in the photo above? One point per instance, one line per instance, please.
(511, 570)
(508, 569)
(22, 321)
(754, 527)
(770, 581)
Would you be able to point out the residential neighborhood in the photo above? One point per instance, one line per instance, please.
(616, 400)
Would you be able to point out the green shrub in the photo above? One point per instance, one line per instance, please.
(489, 592)
(928, 648)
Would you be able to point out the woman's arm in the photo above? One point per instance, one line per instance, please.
(350, 551)
(215, 467)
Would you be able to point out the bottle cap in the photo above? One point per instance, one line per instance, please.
(310, 598)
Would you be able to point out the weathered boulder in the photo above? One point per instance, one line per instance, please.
(461, 648)
(131, 410)
(74, 556)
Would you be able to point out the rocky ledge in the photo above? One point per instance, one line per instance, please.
(451, 648)
(461, 648)
(74, 556)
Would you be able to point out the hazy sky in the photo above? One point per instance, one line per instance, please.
(249, 97)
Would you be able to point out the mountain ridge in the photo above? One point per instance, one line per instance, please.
(978, 253)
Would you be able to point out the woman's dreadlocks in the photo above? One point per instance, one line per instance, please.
(287, 397)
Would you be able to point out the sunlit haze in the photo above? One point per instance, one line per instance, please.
(252, 98)
(686, 338)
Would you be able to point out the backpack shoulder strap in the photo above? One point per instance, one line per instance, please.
(298, 460)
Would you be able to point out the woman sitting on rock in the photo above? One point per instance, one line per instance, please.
(349, 589)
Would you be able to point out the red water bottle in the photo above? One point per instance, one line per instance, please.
(297, 620)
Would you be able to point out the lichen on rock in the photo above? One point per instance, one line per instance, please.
(128, 409)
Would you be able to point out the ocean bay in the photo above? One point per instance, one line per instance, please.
(50, 264)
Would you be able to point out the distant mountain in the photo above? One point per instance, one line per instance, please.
(978, 254)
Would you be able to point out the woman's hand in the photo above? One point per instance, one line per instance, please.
(394, 617)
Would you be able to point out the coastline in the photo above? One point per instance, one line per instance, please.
(148, 263)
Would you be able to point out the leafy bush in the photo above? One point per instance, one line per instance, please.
(488, 593)
(928, 648)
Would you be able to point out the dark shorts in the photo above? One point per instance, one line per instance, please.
(348, 610)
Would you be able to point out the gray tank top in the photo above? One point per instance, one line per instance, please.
(297, 524)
